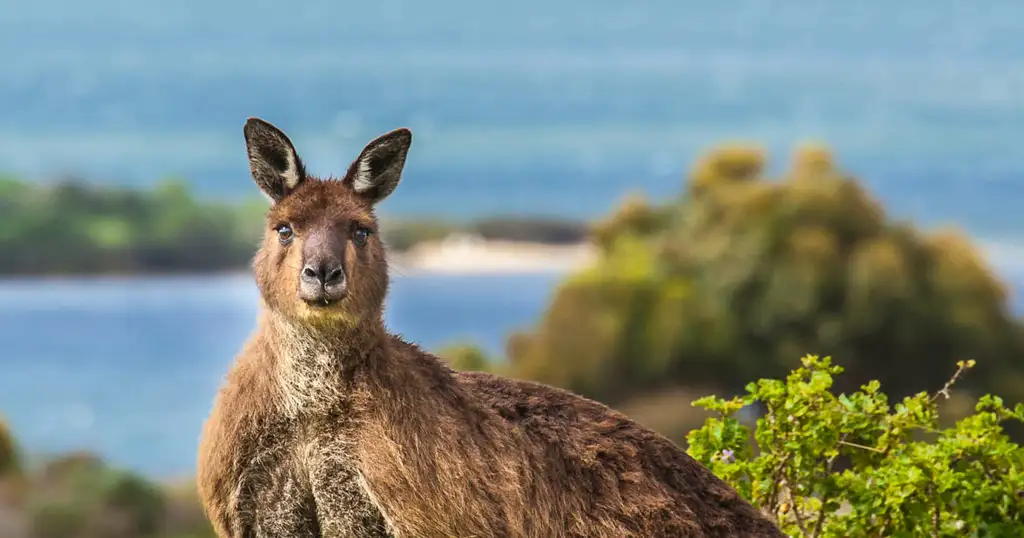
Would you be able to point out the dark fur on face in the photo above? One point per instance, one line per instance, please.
(329, 426)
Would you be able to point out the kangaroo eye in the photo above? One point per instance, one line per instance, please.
(361, 235)
(284, 233)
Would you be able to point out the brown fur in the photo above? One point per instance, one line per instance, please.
(330, 426)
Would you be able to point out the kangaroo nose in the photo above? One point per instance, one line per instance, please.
(323, 273)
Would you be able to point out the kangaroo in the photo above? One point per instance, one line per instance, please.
(328, 425)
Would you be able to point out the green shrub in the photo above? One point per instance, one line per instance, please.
(845, 465)
(741, 273)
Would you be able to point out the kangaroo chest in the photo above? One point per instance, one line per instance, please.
(344, 507)
(306, 486)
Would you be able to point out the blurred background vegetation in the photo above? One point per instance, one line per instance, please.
(78, 496)
(740, 275)
(72, 227)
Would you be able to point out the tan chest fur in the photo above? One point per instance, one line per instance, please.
(344, 504)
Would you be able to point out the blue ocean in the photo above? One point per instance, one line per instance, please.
(529, 107)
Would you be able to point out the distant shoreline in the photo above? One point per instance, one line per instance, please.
(463, 254)
(455, 255)
(76, 228)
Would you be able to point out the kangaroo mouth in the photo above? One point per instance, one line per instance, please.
(322, 297)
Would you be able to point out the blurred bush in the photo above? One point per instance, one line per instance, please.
(468, 357)
(184, 516)
(903, 476)
(740, 274)
(465, 356)
(78, 496)
(71, 227)
(13, 522)
(10, 463)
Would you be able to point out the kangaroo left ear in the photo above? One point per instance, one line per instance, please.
(377, 171)
(273, 161)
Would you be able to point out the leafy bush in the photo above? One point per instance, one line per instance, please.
(856, 465)
(740, 274)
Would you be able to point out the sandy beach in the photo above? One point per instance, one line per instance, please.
(467, 254)
(463, 254)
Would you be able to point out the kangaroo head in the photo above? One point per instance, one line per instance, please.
(321, 260)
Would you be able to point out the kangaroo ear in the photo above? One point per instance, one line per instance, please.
(273, 161)
(378, 169)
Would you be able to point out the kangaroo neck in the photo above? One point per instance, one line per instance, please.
(319, 366)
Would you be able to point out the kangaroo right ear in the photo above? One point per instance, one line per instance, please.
(273, 161)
